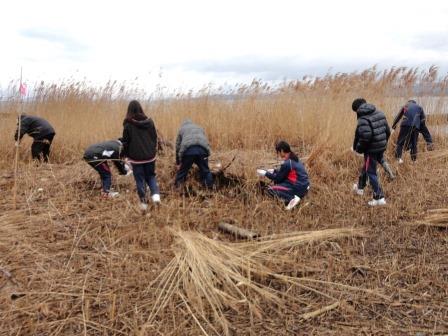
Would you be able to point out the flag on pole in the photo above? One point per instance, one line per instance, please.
(22, 89)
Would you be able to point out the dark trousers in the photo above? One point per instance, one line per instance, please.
(285, 192)
(407, 139)
(40, 149)
(145, 174)
(368, 171)
(104, 170)
(187, 162)
(425, 132)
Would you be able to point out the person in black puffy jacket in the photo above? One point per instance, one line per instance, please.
(372, 134)
(42, 133)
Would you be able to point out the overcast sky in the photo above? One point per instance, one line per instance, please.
(189, 43)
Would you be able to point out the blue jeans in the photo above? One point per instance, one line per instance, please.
(104, 170)
(187, 162)
(369, 172)
(144, 174)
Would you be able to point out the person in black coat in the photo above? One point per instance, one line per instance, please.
(140, 147)
(98, 155)
(372, 134)
(42, 133)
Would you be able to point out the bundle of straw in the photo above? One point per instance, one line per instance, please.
(210, 278)
(436, 218)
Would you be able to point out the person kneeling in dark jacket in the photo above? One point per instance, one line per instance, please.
(42, 133)
(291, 182)
(373, 133)
(192, 147)
(97, 156)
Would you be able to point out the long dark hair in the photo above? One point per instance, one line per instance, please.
(135, 112)
(286, 148)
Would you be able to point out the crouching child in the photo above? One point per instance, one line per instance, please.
(291, 182)
(98, 155)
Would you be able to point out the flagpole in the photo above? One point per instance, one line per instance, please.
(17, 143)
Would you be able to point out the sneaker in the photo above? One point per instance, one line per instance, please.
(293, 203)
(400, 161)
(110, 194)
(156, 198)
(358, 191)
(375, 202)
(143, 207)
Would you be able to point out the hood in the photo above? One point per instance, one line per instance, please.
(142, 123)
(140, 120)
(366, 109)
(187, 122)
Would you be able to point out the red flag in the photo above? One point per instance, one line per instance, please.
(22, 89)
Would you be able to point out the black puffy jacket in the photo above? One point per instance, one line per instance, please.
(139, 139)
(372, 131)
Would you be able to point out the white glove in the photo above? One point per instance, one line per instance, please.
(261, 172)
(271, 171)
(128, 169)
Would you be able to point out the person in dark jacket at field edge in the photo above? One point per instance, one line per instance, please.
(192, 147)
(97, 156)
(372, 132)
(140, 147)
(414, 122)
(42, 133)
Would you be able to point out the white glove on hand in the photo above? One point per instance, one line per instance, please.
(271, 171)
(128, 169)
(261, 172)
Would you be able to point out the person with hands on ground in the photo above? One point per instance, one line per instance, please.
(291, 182)
(98, 155)
(192, 147)
(42, 133)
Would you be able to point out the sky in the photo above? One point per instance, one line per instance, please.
(178, 44)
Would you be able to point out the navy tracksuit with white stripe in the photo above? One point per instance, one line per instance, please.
(290, 180)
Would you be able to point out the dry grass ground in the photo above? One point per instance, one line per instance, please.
(72, 263)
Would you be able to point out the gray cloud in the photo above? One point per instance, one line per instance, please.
(273, 68)
(278, 68)
(436, 41)
(71, 48)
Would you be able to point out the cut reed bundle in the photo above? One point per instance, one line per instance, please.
(209, 277)
(436, 218)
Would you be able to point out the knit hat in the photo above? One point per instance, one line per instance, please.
(357, 103)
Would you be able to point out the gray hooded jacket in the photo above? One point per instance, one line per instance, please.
(189, 135)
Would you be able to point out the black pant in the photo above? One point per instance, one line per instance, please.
(40, 149)
(187, 162)
(426, 134)
(407, 138)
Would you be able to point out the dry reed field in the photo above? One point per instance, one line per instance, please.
(72, 263)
